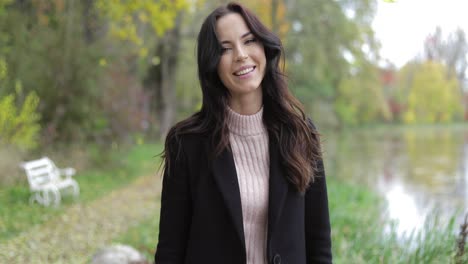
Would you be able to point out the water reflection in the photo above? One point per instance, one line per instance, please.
(402, 207)
(415, 169)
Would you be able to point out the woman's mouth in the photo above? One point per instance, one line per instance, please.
(245, 71)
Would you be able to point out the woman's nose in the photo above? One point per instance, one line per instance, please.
(241, 55)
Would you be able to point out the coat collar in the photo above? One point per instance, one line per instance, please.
(225, 175)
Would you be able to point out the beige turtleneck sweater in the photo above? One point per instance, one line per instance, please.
(249, 143)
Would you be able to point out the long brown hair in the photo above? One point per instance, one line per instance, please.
(283, 114)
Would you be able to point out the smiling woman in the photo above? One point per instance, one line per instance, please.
(242, 64)
(243, 177)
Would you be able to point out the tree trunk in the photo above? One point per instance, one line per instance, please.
(89, 18)
(274, 16)
(161, 78)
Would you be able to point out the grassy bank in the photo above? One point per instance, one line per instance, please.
(126, 165)
(357, 232)
(362, 234)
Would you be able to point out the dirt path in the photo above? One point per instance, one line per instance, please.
(76, 235)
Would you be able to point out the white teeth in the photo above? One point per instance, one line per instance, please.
(245, 71)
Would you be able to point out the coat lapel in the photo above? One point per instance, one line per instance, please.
(278, 186)
(225, 175)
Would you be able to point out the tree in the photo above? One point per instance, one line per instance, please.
(139, 22)
(46, 53)
(143, 23)
(161, 77)
(451, 51)
(19, 126)
(326, 41)
(361, 98)
(273, 16)
(19, 120)
(432, 96)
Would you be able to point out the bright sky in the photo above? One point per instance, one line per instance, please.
(402, 26)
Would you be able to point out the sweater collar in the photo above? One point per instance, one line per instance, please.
(245, 125)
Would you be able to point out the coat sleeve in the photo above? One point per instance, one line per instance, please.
(175, 215)
(318, 238)
(317, 220)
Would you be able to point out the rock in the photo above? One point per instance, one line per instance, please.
(118, 254)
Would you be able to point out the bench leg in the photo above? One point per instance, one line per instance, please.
(35, 197)
(43, 197)
(56, 193)
(76, 190)
(46, 197)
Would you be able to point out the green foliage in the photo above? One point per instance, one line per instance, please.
(3, 70)
(320, 36)
(432, 94)
(128, 18)
(84, 79)
(360, 98)
(50, 56)
(19, 126)
(188, 90)
(3, 4)
(90, 87)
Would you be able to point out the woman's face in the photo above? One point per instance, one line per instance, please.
(242, 64)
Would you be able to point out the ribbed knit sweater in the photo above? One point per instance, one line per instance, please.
(249, 143)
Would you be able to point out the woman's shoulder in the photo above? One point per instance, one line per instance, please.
(185, 139)
(187, 129)
(180, 137)
(184, 147)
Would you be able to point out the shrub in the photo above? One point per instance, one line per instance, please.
(19, 127)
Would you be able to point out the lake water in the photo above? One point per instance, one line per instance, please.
(414, 169)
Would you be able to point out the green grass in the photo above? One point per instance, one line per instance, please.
(143, 237)
(357, 232)
(18, 215)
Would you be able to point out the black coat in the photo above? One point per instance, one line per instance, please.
(201, 213)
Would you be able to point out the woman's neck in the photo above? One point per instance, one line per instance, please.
(246, 105)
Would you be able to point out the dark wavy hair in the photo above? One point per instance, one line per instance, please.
(283, 114)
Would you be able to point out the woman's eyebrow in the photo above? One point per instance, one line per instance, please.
(243, 36)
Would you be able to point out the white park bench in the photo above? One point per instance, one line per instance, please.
(46, 181)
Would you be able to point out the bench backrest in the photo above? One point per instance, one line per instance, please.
(40, 172)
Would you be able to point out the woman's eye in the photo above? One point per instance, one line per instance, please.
(223, 50)
(250, 41)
